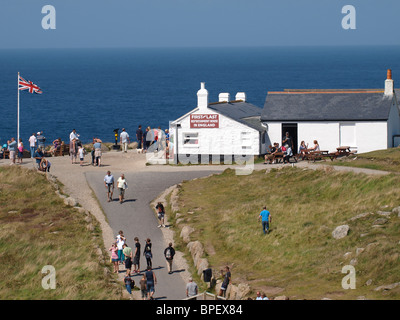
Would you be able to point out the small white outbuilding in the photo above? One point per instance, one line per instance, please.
(217, 131)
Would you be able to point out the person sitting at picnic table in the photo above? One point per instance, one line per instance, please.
(303, 149)
(316, 146)
(287, 153)
(273, 151)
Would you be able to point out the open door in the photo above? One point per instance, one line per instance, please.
(292, 129)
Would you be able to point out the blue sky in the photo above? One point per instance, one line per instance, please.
(197, 23)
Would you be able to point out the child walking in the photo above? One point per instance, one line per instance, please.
(81, 153)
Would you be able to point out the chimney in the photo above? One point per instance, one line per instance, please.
(389, 84)
(224, 97)
(202, 97)
(241, 96)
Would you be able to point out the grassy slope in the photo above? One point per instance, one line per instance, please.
(37, 229)
(300, 254)
(387, 160)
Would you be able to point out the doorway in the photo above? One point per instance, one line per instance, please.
(292, 129)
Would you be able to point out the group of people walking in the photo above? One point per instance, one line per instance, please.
(123, 254)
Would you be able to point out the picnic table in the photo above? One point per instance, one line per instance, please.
(316, 155)
(342, 151)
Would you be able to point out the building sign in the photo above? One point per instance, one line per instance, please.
(204, 121)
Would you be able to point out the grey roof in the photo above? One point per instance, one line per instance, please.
(240, 111)
(326, 105)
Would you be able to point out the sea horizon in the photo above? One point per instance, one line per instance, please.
(96, 90)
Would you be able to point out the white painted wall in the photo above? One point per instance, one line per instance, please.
(369, 136)
(231, 138)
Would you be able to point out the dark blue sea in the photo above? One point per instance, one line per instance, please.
(98, 90)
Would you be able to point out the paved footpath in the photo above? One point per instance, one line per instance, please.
(137, 219)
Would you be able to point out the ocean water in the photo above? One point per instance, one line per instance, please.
(98, 90)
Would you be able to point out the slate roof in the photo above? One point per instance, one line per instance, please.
(326, 105)
(240, 111)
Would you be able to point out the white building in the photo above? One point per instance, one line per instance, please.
(365, 120)
(218, 131)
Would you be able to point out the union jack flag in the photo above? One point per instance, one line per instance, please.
(28, 85)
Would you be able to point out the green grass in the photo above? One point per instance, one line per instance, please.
(37, 229)
(386, 160)
(300, 254)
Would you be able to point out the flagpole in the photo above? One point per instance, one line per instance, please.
(18, 111)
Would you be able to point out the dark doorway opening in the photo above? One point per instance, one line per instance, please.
(292, 129)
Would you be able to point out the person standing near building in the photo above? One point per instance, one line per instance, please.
(265, 217)
(122, 186)
(139, 138)
(136, 256)
(169, 253)
(109, 184)
(192, 289)
(32, 144)
(225, 282)
(124, 140)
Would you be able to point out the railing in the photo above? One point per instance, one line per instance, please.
(205, 296)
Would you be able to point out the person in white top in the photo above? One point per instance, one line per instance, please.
(124, 140)
(32, 144)
(73, 135)
(122, 186)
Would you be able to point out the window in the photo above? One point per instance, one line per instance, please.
(191, 139)
(246, 140)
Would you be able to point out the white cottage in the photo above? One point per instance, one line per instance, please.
(218, 131)
(365, 120)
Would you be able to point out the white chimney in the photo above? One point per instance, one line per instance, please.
(224, 97)
(241, 96)
(202, 97)
(389, 84)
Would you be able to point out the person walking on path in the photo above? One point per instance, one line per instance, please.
(147, 252)
(73, 139)
(127, 251)
(122, 186)
(139, 138)
(12, 147)
(136, 256)
(124, 140)
(81, 152)
(265, 217)
(161, 213)
(151, 281)
(169, 253)
(192, 289)
(225, 282)
(114, 257)
(97, 151)
(120, 243)
(109, 184)
(32, 144)
(129, 283)
(143, 286)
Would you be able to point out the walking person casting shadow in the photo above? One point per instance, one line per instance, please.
(122, 186)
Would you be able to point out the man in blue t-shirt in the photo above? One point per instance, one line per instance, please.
(265, 217)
